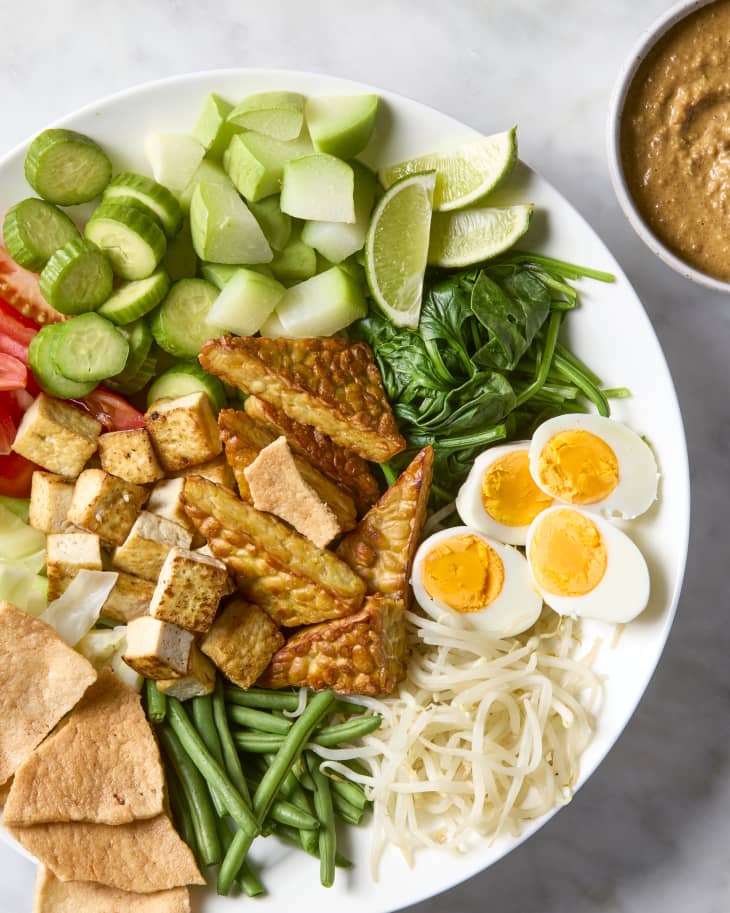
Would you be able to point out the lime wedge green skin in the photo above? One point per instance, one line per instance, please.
(341, 125)
(396, 248)
(472, 235)
(465, 173)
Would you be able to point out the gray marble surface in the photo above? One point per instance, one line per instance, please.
(650, 832)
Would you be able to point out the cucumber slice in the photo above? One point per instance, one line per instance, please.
(139, 338)
(33, 230)
(213, 131)
(298, 261)
(174, 159)
(149, 193)
(187, 378)
(223, 228)
(275, 224)
(132, 240)
(277, 114)
(341, 124)
(135, 299)
(180, 260)
(245, 302)
(207, 172)
(42, 359)
(322, 305)
(255, 162)
(90, 349)
(77, 278)
(180, 324)
(319, 186)
(66, 167)
(128, 383)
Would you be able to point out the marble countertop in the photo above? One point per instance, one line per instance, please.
(650, 831)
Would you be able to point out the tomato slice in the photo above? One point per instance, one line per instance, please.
(13, 373)
(19, 288)
(16, 474)
(112, 410)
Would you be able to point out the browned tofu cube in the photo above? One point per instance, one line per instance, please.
(184, 431)
(66, 555)
(242, 641)
(129, 455)
(166, 501)
(130, 598)
(144, 550)
(57, 436)
(50, 499)
(156, 649)
(199, 680)
(189, 589)
(105, 505)
(217, 470)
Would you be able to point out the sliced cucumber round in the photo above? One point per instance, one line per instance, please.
(42, 358)
(33, 230)
(90, 348)
(158, 199)
(180, 324)
(139, 338)
(133, 300)
(186, 378)
(77, 278)
(66, 167)
(128, 383)
(131, 238)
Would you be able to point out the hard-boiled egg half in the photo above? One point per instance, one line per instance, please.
(499, 496)
(584, 566)
(594, 462)
(461, 573)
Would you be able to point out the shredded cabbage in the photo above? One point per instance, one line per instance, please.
(100, 644)
(20, 544)
(123, 671)
(76, 610)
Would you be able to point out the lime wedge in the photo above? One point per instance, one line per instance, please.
(472, 235)
(463, 174)
(396, 247)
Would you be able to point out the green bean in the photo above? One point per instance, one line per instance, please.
(202, 711)
(284, 811)
(262, 699)
(347, 732)
(257, 742)
(181, 813)
(231, 760)
(258, 720)
(325, 812)
(346, 810)
(293, 837)
(156, 702)
(234, 860)
(346, 708)
(299, 769)
(349, 791)
(290, 784)
(211, 770)
(196, 793)
(249, 880)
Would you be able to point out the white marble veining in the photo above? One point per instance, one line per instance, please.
(650, 832)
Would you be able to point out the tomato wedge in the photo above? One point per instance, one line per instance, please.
(19, 288)
(16, 474)
(13, 373)
(112, 410)
(16, 332)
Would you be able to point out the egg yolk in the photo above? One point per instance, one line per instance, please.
(568, 556)
(578, 467)
(509, 493)
(464, 572)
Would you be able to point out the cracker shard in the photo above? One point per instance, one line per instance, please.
(332, 384)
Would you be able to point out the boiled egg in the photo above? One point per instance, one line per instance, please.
(499, 496)
(594, 462)
(462, 574)
(584, 566)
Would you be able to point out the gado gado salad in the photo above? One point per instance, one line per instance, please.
(296, 450)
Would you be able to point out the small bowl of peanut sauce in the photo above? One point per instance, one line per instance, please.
(669, 140)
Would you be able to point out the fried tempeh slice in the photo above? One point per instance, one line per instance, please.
(54, 896)
(338, 463)
(332, 384)
(243, 440)
(275, 567)
(382, 547)
(103, 765)
(364, 653)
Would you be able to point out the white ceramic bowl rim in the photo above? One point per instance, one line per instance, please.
(643, 47)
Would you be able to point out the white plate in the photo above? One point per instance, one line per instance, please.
(610, 331)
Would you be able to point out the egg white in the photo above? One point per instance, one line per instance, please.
(515, 609)
(638, 480)
(470, 505)
(622, 593)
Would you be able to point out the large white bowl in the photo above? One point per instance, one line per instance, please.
(610, 331)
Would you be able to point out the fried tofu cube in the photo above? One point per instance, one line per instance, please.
(189, 589)
(157, 649)
(105, 505)
(199, 681)
(129, 455)
(184, 431)
(242, 641)
(217, 470)
(277, 487)
(166, 501)
(129, 598)
(144, 550)
(66, 555)
(364, 653)
(57, 436)
(50, 499)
